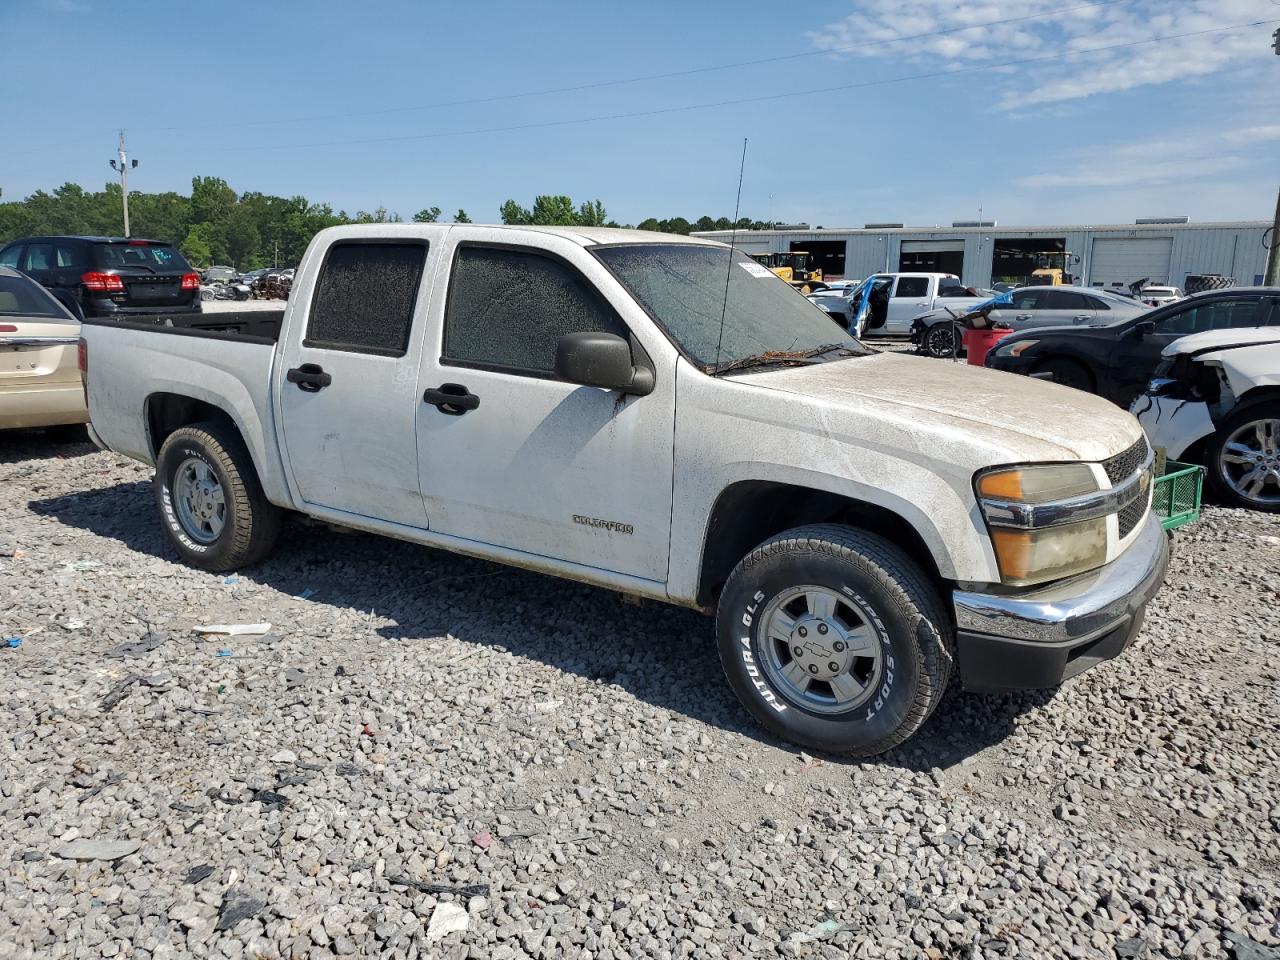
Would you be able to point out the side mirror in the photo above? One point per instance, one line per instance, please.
(1145, 328)
(601, 360)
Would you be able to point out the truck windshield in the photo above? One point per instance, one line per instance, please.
(683, 286)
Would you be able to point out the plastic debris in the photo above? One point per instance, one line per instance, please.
(548, 706)
(235, 629)
(270, 800)
(367, 731)
(140, 647)
(458, 890)
(224, 652)
(118, 692)
(306, 594)
(13, 643)
(196, 874)
(72, 623)
(446, 918)
(483, 839)
(236, 907)
(98, 849)
(231, 581)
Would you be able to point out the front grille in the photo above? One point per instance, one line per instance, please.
(1124, 465)
(1132, 514)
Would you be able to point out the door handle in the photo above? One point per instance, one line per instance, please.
(1081, 317)
(451, 398)
(309, 377)
(1023, 316)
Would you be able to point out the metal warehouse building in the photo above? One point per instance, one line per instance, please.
(1163, 251)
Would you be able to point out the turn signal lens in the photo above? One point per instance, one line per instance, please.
(1037, 556)
(1038, 484)
(1017, 348)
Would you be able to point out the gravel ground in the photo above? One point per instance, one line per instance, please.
(434, 756)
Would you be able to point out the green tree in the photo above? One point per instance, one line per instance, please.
(512, 213)
(427, 215)
(649, 224)
(554, 211)
(461, 216)
(591, 214)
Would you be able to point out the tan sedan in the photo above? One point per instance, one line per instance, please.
(39, 365)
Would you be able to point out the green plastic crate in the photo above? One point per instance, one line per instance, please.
(1176, 497)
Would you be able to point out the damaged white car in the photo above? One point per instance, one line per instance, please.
(1215, 400)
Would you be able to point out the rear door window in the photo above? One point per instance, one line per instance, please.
(912, 287)
(11, 257)
(39, 257)
(365, 295)
(1064, 300)
(1217, 315)
(508, 308)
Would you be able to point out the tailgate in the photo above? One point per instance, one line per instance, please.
(38, 352)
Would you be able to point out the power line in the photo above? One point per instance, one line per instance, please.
(692, 71)
(980, 68)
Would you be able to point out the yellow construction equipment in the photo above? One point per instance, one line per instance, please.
(1052, 269)
(795, 267)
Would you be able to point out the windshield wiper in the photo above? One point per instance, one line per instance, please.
(798, 357)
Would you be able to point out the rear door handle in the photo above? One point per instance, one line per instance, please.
(451, 398)
(1023, 316)
(310, 377)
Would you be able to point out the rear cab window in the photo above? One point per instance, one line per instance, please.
(365, 296)
(508, 307)
(912, 287)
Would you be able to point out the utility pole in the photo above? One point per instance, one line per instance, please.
(1273, 259)
(123, 166)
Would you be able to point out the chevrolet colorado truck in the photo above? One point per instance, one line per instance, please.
(663, 417)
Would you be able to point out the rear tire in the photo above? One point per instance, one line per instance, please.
(1068, 373)
(211, 503)
(835, 639)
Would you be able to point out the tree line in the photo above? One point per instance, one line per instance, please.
(250, 230)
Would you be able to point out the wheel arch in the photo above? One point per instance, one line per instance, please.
(748, 512)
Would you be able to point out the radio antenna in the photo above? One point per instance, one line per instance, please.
(733, 239)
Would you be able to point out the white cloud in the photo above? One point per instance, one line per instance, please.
(965, 35)
(1153, 163)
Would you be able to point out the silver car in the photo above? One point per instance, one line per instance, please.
(1031, 307)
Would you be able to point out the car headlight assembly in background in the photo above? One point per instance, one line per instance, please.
(1015, 349)
(1047, 521)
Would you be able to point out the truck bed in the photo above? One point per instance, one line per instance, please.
(252, 326)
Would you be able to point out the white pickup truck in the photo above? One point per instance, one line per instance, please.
(663, 417)
(887, 303)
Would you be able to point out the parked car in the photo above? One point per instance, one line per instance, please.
(1117, 360)
(1215, 400)
(657, 415)
(108, 276)
(219, 274)
(40, 382)
(1154, 296)
(936, 333)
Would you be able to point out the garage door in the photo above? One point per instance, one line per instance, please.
(1123, 261)
(932, 256)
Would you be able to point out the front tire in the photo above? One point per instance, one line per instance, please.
(942, 341)
(211, 503)
(834, 639)
(1243, 459)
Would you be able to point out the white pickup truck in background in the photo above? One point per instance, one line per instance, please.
(885, 304)
(602, 405)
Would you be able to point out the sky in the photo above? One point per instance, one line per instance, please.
(854, 111)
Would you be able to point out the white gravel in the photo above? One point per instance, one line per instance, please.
(434, 756)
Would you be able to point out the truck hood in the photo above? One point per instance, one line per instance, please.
(1210, 340)
(1010, 418)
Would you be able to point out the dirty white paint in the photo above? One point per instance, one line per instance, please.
(581, 482)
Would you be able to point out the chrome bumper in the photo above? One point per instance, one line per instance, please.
(1077, 610)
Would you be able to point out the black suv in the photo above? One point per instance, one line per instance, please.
(1117, 360)
(108, 276)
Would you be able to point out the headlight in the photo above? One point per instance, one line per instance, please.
(1015, 349)
(1037, 484)
(1029, 513)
